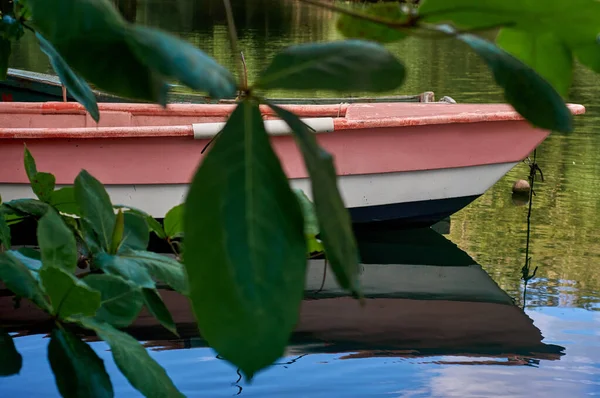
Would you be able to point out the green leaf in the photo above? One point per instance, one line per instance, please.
(69, 295)
(311, 223)
(30, 253)
(57, 242)
(178, 59)
(542, 52)
(163, 268)
(63, 200)
(143, 372)
(572, 20)
(129, 269)
(75, 85)
(117, 234)
(91, 35)
(92, 243)
(12, 29)
(120, 303)
(95, 206)
(10, 359)
(5, 236)
(573, 23)
(351, 65)
(5, 50)
(335, 225)
(359, 28)
(22, 10)
(29, 163)
(589, 55)
(158, 309)
(174, 222)
(314, 245)
(20, 280)
(532, 96)
(27, 207)
(137, 234)
(153, 223)
(30, 258)
(42, 184)
(12, 216)
(78, 371)
(247, 264)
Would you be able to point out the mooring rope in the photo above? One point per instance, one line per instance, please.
(526, 273)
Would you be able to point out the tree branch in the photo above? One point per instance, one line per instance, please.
(409, 23)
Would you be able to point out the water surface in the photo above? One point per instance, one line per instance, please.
(563, 299)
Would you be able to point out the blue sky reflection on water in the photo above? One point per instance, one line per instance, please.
(197, 372)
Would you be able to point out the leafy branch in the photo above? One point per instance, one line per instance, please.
(95, 301)
(512, 68)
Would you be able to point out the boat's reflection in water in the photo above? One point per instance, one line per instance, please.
(423, 297)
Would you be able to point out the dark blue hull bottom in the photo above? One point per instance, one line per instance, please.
(411, 214)
(397, 216)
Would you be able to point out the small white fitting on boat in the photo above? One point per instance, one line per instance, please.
(273, 127)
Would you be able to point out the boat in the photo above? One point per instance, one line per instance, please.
(398, 163)
(27, 86)
(423, 295)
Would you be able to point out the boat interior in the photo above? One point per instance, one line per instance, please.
(53, 115)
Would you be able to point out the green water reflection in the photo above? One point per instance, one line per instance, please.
(565, 222)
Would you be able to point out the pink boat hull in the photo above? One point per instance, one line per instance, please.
(406, 163)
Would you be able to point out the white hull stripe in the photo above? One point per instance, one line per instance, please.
(273, 127)
(357, 190)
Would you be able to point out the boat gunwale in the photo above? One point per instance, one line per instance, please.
(177, 109)
(338, 114)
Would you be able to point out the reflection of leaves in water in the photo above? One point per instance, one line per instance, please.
(290, 361)
(238, 381)
(285, 365)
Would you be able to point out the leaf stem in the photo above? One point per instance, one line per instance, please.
(245, 69)
(173, 248)
(448, 31)
(59, 325)
(411, 22)
(234, 40)
(28, 27)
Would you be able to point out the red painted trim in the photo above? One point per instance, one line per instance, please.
(400, 111)
(222, 110)
(91, 133)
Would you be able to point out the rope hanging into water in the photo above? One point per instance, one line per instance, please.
(526, 273)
